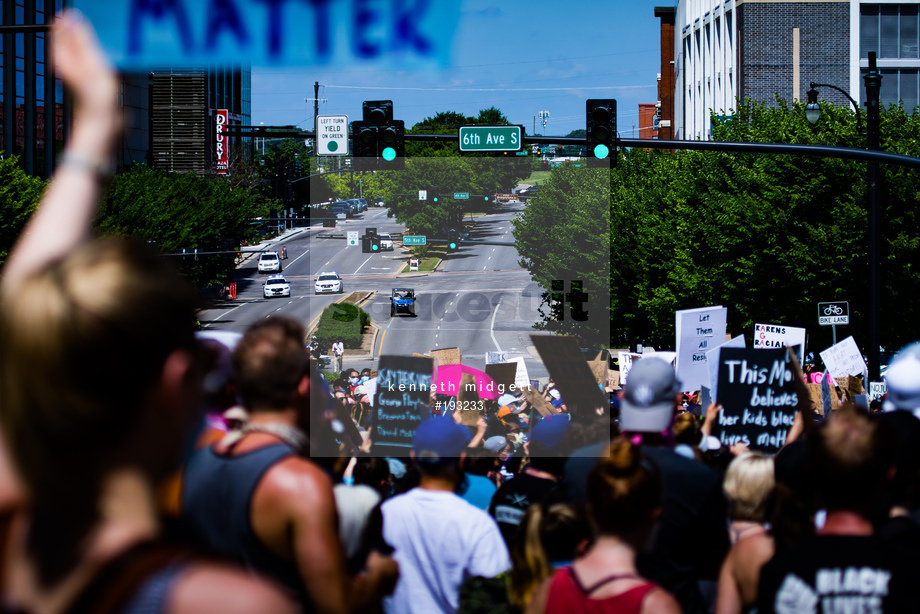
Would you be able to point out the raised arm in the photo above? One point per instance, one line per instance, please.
(64, 216)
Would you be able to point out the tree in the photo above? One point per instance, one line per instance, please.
(19, 196)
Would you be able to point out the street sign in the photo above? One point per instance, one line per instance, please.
(332, 135)
(834, 313)
(490, 138)
(461, 195)
(352, 237)
(415, 240)
(423, 194)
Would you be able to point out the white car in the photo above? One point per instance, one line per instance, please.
(269, 262)
(329, 281)
(276, 285)
(386, 241)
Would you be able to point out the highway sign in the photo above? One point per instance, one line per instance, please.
(352, 236)
(332, 135)
(490, 138)
(461, 195)
(415, 240)
(834, 313)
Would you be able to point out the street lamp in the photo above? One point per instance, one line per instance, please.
(873, 81)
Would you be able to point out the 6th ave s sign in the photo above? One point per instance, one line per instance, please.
(834, 314)
(490, 138)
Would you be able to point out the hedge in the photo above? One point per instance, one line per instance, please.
(342, 320)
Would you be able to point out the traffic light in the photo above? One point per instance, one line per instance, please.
(601, 132)
(375, 244)
(365, 244)
(432, 196)
(453, 241)
(379, 140)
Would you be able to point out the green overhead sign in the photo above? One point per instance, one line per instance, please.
(490, 138)
(461, 195)
(414, 240)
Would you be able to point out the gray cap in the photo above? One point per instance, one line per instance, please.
(495, 444)
(648, 402)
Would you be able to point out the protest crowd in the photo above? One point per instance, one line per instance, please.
(147, 468)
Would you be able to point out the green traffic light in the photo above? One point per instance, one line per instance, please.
(453, 245)
(601, 151)
(389, 154)
(435, 199)
(487, 199)
(375, 247)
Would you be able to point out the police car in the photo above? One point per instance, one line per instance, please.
(329, 281)
(276, 285)
(269, 262)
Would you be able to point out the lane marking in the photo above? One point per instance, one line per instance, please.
(297, 258)
(362, 264)
(492, 325)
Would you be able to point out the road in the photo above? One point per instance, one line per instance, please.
(479, 299)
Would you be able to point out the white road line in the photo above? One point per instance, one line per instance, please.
(362, 264)
(297, 258)
(226, 312)
(492, 326)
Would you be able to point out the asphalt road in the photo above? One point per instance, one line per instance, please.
(479, 299)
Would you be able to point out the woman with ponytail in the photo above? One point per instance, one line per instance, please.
(624, 501)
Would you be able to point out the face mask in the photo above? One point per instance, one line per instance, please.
(353, 380)
(364, 378)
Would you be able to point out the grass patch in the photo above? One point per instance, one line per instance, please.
(537, 177)
(427, 262)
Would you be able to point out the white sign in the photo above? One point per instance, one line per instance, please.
(493, 358)
(332, 135)
(352, 236)
(844, 359)
(626, 360)
(877, 390)
(712, 362)
(698, 331)
(521, 377)
(423, 194)
(777, 336)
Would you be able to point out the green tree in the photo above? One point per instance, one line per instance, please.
(19, 196)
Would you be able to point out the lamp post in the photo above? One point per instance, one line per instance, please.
(873, 81)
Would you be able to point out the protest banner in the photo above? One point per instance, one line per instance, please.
(496, 357)
(877, 390)
(844, 359)
(446, 356)
(403, 391)
(758, 398)
(778, 336)
(697, 331)
(468, 402)
(712, 364)
(521, 377)
(613, 379)
(574, 380)
(191, 33)
(503, 374)
(626, 360)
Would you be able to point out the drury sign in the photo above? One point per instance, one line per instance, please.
(220, 141)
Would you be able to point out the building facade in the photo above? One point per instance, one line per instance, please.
(770, 50)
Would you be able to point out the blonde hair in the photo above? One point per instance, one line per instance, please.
(749, 480)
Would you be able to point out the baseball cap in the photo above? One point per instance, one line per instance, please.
(648, 403)
(903, 380)
(550, 430)
(438, 439)
(555, 394)
(495, 444)
(507, 399)
(504, 411)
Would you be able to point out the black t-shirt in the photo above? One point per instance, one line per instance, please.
(840, 573)
(514, 497)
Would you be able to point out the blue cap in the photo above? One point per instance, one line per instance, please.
(550, 430)
(439, 438)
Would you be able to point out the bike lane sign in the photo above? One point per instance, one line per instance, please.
(834, 313)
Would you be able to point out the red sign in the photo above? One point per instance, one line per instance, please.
(220, 141)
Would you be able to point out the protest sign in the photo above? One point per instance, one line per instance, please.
(778, 336)
(613, 379)
(403, 391)
(496, 357)
(503, 374)
(844, 359)
(816, 394)
(626, 360)
(446, 356)
(698, 330)
(521, 377)
(537, 401)
(574, 380)
(599, 370)
(854, 386)
(712, 364)
(877, 390)
(861, 400)
(468, 402)
(192, 33)
(758, 398)
(828, 394)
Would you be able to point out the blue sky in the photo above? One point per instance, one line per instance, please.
(522, 57)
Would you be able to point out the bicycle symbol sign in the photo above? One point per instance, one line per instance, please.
(832, 314)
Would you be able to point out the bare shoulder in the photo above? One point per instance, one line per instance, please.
(210, 587)
(295, 485)
(660, 601)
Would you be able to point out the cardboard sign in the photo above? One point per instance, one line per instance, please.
(470, 407)
(844, 359)
(496, 357)
(503, 374)
(537, 401)
(758, 398)
(698, 331)
(815, 394)
(779, 336)
(712, 363)
(599, 369)
(574, 380)
(151, 33)
(626, 360)
(613, 379)
(855, 387)
(446, 356)
(402, 400)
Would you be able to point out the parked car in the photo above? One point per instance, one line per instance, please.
(363, 203)
(355, 206)
(269, 262)
(329, 281)
(340, 209)
(527, 193)
(386, 241)
(276, 285)
(379, 202)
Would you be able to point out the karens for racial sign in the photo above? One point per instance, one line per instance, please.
(151, 33)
